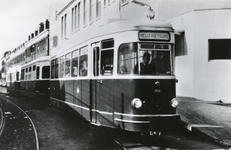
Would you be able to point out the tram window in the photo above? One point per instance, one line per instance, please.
(46, 72)
(37, 72)
(10, 76)
(61, 73)
(127, 58)
(83, 65)
(74, 64)
(56, 67)
(150, 62)
(107, 44)
(53, 69)
(161, 62)
(96, 61)
(22, 74)
(107, 62)
(67, 65)
(17, 76)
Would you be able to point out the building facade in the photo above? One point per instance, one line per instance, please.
(203, 61)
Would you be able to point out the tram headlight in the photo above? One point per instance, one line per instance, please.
(136, 103)
(174, 103)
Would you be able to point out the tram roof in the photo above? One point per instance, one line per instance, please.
(139, 24)
(40, 59)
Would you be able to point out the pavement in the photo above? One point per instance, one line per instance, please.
(211, 118)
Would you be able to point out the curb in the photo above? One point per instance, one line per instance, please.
(194, 130)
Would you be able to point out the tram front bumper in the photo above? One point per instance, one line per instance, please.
(159, 123)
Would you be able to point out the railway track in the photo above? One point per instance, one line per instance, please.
(17, 128)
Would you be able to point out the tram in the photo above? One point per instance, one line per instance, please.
(13, 79)
(120, 75)
(35, 81)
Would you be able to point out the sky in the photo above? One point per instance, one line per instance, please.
(20, 18)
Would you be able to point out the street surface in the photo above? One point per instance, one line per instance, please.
(58, 130)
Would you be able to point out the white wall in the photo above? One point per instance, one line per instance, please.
(212, 78)
(199, 77)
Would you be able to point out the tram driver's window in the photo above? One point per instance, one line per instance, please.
(161, 62)
(127, 58)
(107, 62)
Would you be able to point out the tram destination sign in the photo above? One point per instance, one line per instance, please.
(144, 35)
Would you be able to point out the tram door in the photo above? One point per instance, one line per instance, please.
(95, 87)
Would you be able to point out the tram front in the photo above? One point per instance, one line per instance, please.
(148, 102)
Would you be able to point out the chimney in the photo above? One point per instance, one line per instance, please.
(36, 32)
(41, 28)
(47, 24)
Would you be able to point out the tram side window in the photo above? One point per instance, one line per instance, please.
(46, 72)
(83, 61)
(83, 65)
(10, 77)
(107, 62)
(37, 72)
(56, 67)
(61, 73)
(22, 74)
(127, 58)
(17, 76)
(67, 65)
(53, 69)
(74, 64)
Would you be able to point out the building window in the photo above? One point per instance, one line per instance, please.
(91, 10)
(65, 25)
(72, 19)
(219, 49)
(84, 12)
(78, 15)
(98, 8)
(104, 3)
(62, 27)
(75, 18)
(123, 2)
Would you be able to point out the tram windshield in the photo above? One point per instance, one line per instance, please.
(148, 59)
